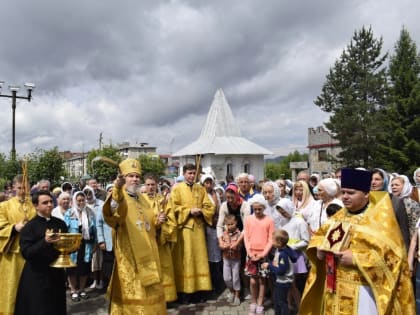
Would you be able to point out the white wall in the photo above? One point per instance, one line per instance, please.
(218, 164)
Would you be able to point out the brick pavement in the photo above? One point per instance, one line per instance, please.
(97, 304)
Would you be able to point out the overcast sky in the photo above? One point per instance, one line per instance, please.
(147, 71)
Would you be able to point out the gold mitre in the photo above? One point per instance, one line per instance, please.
(130, 166)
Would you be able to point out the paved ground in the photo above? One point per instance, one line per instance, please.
(98, 304)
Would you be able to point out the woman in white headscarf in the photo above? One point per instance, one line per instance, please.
(63, 205)
(327, 190)
(271, 193)
(80, 219)
(401, 188)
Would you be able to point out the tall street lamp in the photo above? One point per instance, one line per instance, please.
(14, 89)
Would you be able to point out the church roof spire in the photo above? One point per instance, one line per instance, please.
(220, 121)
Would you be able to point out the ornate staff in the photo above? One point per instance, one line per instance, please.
(105, 160)
(25, 189)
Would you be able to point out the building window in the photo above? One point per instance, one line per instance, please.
(229, 170)
(322, 155)
(247, 168)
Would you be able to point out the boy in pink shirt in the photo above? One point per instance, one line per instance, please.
(258, 231)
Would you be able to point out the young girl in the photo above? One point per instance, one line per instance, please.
(282, 268)
(258, 242)
(231, 258)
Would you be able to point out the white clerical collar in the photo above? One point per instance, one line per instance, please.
(46, 218)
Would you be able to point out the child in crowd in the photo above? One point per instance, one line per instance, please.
(231, 258)
(282, 268)
(299, 236)
(258, 233)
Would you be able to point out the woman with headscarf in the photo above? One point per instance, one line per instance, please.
(236, 206)
(299, 237)
(233, 205)
(401, 188)
(271, 193)
(302, 199)
(80, 219)
(63, 205)
(380, 182)
(327, 190)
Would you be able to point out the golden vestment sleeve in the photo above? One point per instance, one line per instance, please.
(6, 232)
(11, 214)
(380, 262)
(114, 217)
(207, 208)
(167, 230)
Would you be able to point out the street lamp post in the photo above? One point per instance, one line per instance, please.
(14, 89)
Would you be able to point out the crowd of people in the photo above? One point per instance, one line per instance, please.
(334, 244)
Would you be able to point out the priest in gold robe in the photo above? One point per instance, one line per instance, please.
(193, 210)
(136, 282)
(359, 262)
(14, 214)
(166, 234)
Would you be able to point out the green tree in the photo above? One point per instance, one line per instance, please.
(103, 171)
(354, 93)
(401, 146)
(46, 164)
(9, 168)
(151, 164)
(282, 169)
(273, 171)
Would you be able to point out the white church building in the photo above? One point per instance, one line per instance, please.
(221, 147)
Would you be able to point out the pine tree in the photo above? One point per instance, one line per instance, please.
(402, 147)
(354, 93)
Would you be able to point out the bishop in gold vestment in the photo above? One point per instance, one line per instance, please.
(190, 252)
(12, 212)
(379, 263)
(136, 282)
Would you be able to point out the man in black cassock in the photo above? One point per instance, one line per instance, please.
(41, 288)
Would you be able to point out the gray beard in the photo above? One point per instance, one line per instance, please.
(133, 189)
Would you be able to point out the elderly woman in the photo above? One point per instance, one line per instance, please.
(80, 219)
(327, 190)
(380, 182)
(271, 193)
(63, 205)
(400, 187)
